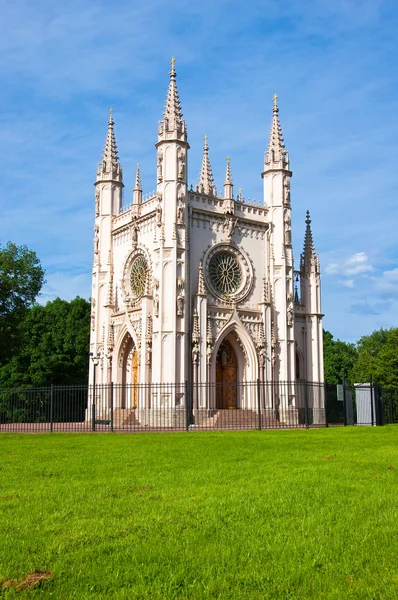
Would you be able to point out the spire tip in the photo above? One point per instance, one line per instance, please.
(173, 71)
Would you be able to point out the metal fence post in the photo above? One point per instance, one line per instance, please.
(187, 406)
(259, 403)
(371, 402)
(111, 403)
(51, 407)
(306, 416)
(344, 400)
(93, 407)
(325, 403)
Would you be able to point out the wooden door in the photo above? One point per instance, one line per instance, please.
(135, 379)
(226, 377)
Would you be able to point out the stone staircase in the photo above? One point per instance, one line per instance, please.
(125, 418)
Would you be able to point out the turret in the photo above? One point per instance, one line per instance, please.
(310, 308)
(171, 295)
(276, 176)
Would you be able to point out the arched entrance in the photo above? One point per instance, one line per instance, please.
(226, 377)
(130, 374)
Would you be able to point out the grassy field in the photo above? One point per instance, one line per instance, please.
(272, 514)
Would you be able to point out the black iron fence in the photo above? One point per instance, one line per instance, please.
(187, 406)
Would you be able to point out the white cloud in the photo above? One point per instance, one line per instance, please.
(388, 280)
(349, 283)
(67, 286)
(354, 265)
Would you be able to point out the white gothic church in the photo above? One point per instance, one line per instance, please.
(199, 286)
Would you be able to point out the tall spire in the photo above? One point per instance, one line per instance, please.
(206, 181)
(309, 258)
(276, 156)
(110, 165)
(172, 116)
(228, 185)
(137, 191)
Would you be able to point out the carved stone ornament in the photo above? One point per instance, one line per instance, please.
(134, 231)
(180, 305)
(228, 272)
(159, 213)
(97, 203)
(156, 305)
(229, 225)
(180, 213)
(181, 164)
(286, 192)
(159, 166)
(96, 239)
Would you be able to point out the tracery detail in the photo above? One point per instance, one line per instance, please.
(224, 273)
(138, 276)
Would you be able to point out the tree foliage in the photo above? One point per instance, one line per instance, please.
(54, 346)
(338, 357)
(21, 279)
(378, 358)
(374, 356)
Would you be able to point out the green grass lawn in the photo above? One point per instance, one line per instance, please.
(272, 514)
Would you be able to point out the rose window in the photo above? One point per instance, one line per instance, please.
(138, 276)
(225, 274)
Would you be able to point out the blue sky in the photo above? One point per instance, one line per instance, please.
(332, 64)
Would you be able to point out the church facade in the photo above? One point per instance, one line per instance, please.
(199, 286)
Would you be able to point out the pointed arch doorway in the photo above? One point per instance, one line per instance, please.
(130, 374)
(226, 377)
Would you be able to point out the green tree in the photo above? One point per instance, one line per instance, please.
(378, 358)
(54, 346)
(338, 356)
(21, 279)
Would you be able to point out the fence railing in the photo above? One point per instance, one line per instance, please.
(188, 406)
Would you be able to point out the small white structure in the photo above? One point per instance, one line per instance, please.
(190, 284)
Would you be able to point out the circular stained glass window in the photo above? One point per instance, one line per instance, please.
(139, 270)
(224, 273)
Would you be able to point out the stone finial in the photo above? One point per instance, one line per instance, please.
(137, 191)
(206, 181)
(110, 164)
(209, 333)
(296, 296)
(172, 115)
(138, 185)
(276, 152)
(309, 259)
(195, 328)
(228, 185)
(149, 328)
(201, 282)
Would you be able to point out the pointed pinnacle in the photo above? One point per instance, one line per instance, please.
(172, 110)
(110, 154)
(276, 146)
(138, 185)
(206, 181)
(228, 176)
(308, 256)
